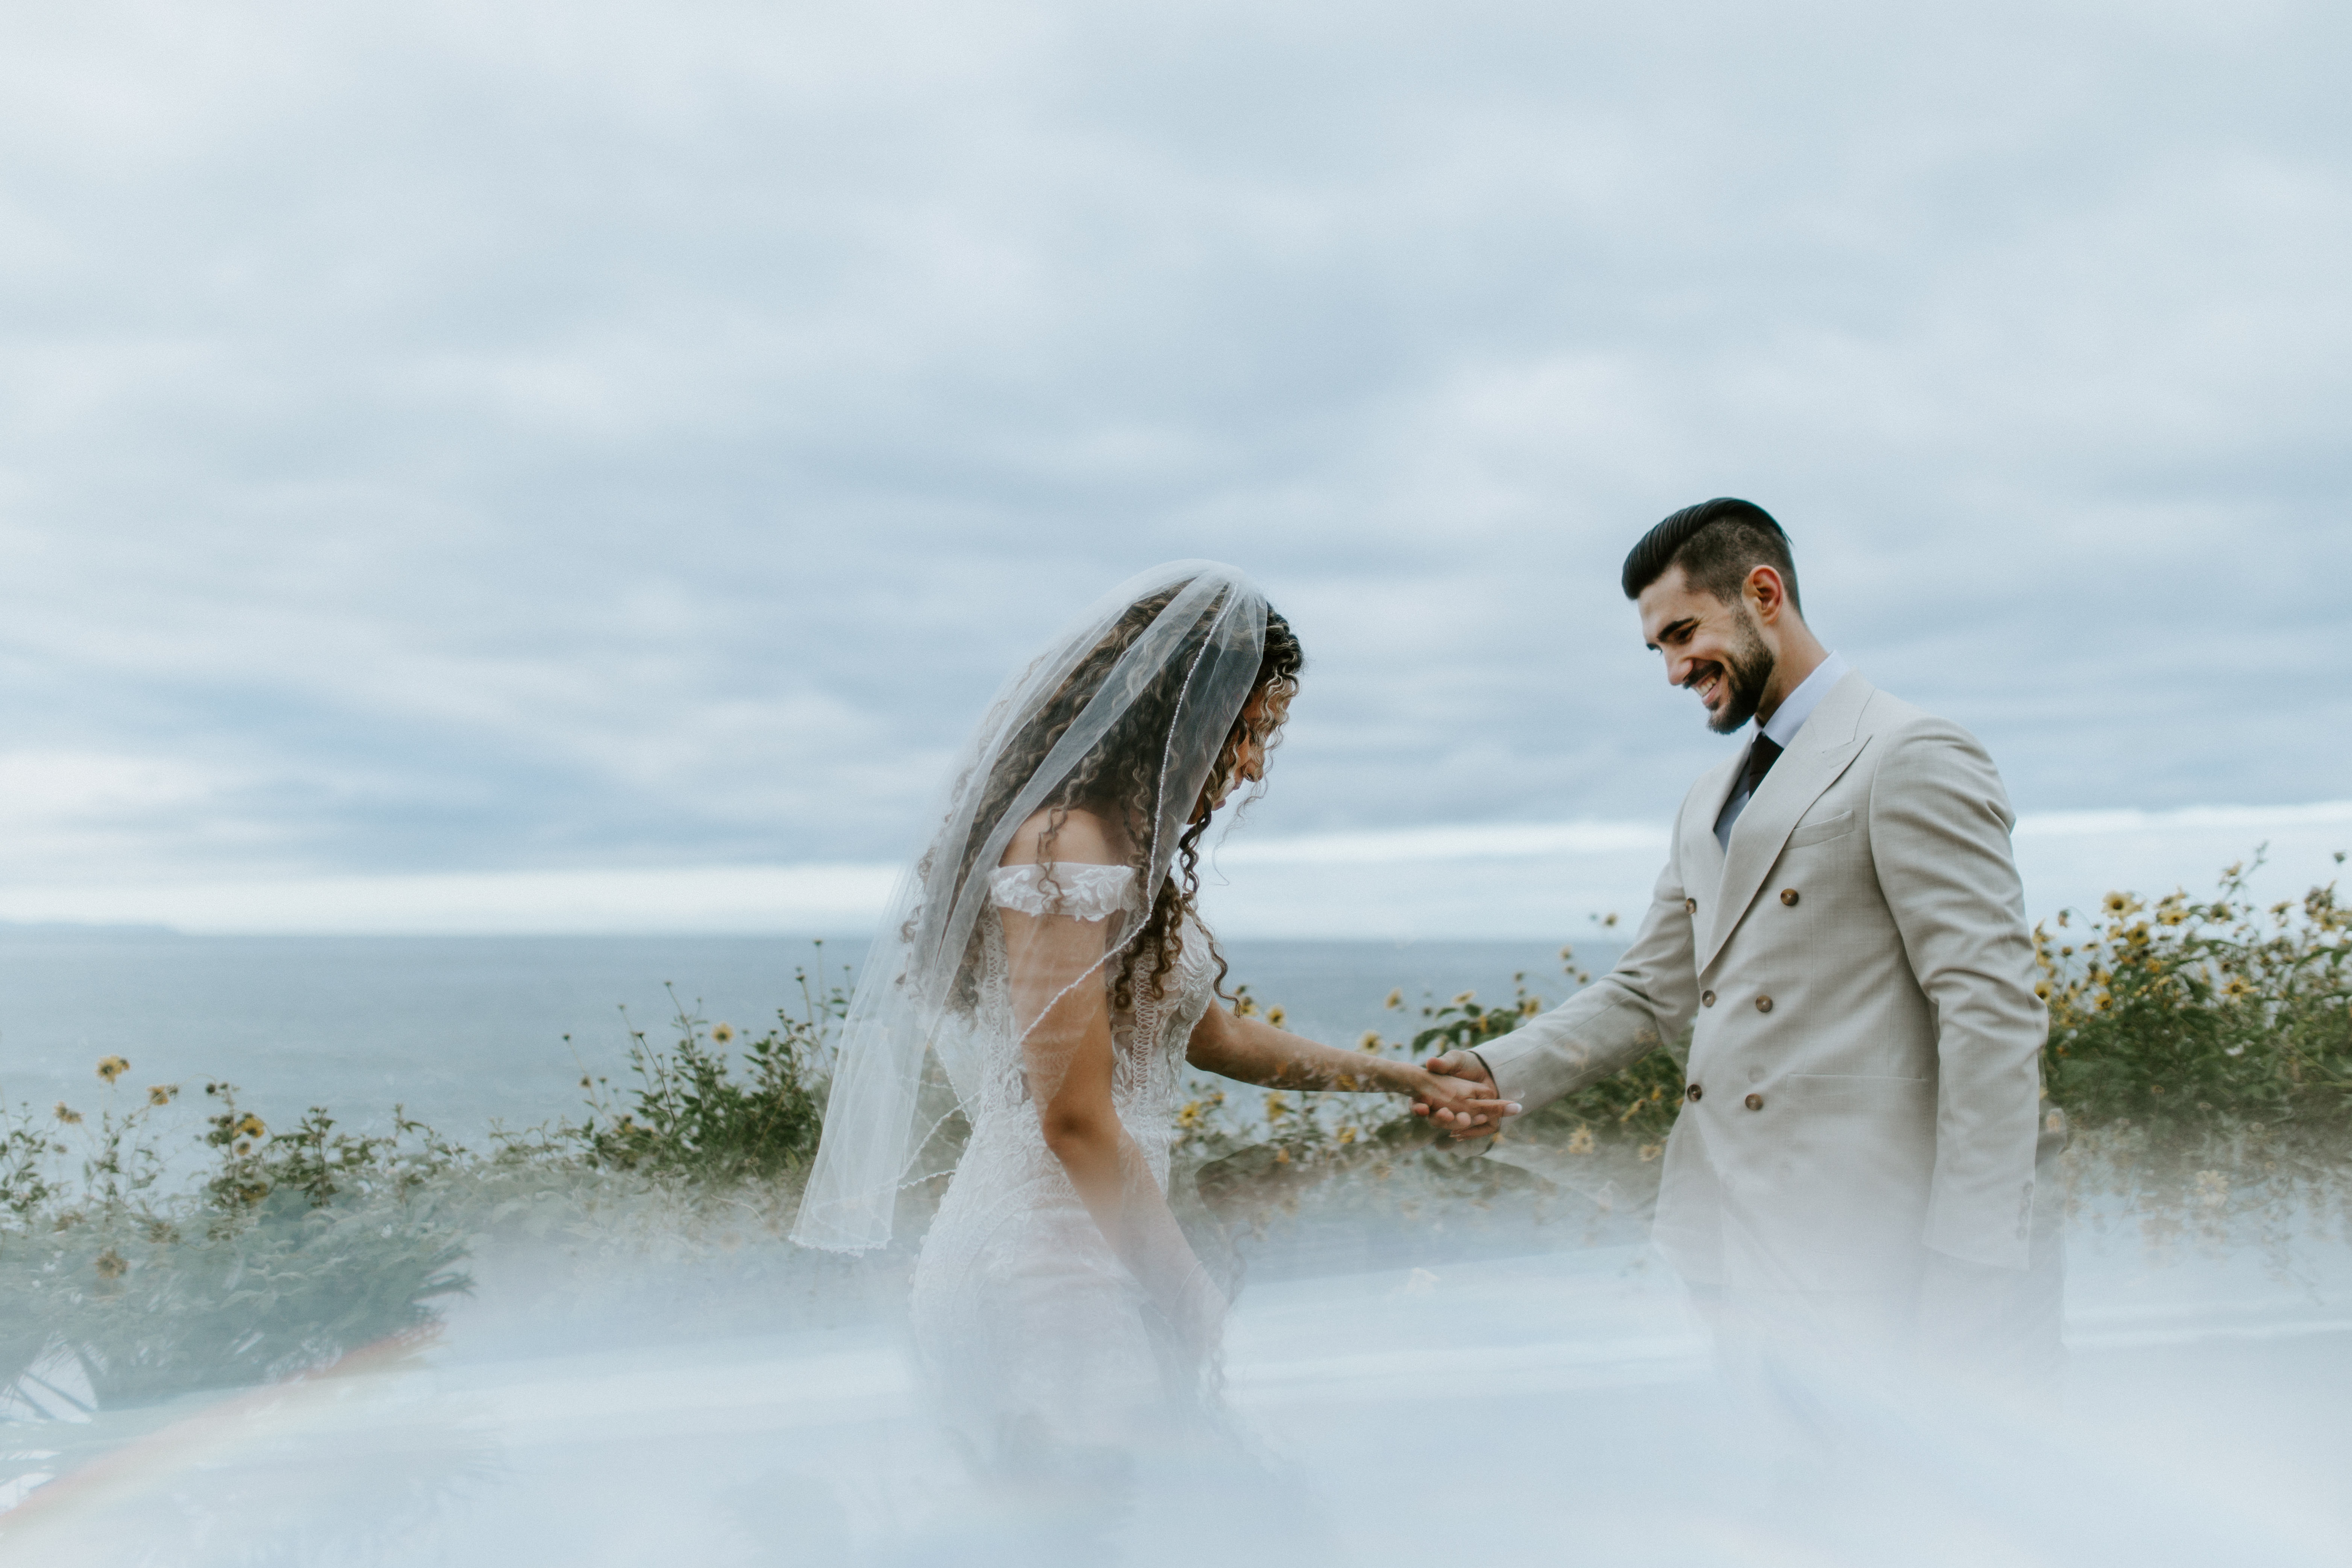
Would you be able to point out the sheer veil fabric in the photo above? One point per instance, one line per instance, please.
(1149, 683)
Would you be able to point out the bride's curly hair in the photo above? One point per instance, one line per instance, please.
(1120, 780)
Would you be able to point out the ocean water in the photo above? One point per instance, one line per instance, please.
(466, 1031)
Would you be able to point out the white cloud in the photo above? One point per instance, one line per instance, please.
(520, 439)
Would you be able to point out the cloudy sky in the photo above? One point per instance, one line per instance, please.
(508, 445)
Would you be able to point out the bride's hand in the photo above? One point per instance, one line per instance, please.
(1456, 1093)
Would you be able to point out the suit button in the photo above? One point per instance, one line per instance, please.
(1693, 1091)
(1763, 1003)
(1707, 998)
(1755, 1102)
(1690, 905)
(1789, 897)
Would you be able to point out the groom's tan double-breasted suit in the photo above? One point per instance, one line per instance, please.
(1863, 1083)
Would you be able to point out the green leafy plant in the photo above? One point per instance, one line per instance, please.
(690, 1115)
(292, 1249)
(2192, 1018)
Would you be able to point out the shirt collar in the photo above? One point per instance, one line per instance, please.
(1791, 716)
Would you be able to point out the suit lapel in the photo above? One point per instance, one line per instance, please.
(1703, 877)
(1824, 748)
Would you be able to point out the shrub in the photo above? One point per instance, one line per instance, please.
(249, 1276)
(295, 1246)
(691, 1117)
(2193, 1017)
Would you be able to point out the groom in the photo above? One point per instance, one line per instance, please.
(1840, 927)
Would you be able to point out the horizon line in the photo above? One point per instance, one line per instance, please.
(1608, 862)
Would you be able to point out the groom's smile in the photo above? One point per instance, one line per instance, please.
(1714, 651)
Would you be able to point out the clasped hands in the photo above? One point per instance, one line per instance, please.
(1456, 1093)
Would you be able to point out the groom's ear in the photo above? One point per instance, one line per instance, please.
(1768, 596)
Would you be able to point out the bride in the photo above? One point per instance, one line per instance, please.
(1047, 949)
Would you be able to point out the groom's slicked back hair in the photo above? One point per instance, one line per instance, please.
(1717, 544)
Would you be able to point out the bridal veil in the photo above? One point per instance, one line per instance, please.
(1151, 679)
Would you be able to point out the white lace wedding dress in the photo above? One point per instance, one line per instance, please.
(1035, 1335)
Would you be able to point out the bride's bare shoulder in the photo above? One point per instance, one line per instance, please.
(1078, 836)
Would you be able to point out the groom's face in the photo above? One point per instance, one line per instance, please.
(1711, 649)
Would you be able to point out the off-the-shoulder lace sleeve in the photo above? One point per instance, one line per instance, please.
(1077, 889)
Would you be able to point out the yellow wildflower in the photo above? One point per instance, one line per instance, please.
(67, 1114)
(1276, 1106)
(1396, 999)
(722, 1033)
(1370, 1042)
(111, 1067)
(163, 1093)
(1581, 1140)
(1275, 1014)
(1347, 1136)
(249, 1126)
(1650, 1151)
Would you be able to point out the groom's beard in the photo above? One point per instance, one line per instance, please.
(1747, 671)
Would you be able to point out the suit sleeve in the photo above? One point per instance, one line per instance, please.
(1939, 822)
(1641, 1004)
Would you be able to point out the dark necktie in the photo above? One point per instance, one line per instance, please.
(1760, 758)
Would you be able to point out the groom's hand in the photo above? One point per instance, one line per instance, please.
(1469, 1107)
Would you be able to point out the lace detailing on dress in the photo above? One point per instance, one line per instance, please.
(1072, 887)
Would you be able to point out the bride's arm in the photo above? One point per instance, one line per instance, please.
(1062, 1005)
(1255, 1051)
(1070, 1057)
